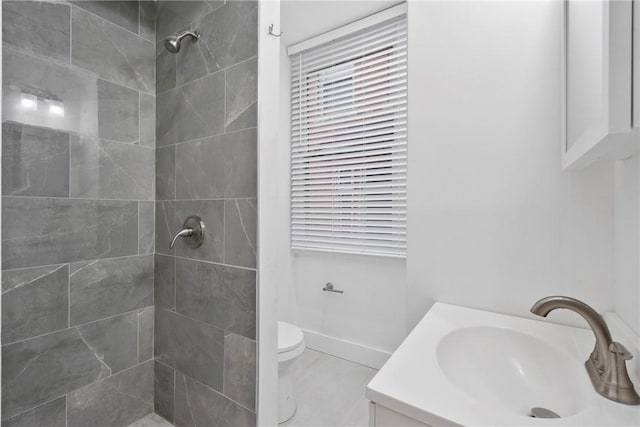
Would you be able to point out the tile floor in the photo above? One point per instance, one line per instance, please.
(329, 391)
(151, 420)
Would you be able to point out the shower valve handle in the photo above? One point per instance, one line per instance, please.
(192, 231)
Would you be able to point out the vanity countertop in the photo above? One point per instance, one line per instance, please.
(462, 366)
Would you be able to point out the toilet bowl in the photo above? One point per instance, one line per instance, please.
(290, 346)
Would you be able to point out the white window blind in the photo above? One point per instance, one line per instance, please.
(349, 141)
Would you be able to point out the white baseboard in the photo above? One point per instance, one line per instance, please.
(358, 353)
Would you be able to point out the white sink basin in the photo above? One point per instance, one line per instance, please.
(461, 366)
(512, 370)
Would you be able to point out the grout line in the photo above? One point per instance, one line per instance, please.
(72, 327)
(224, 362)
(207, 200)
(68, 66)
(84, 135)
(224, 104)
(175, 171)
(46, 402)
(86, 261)
(87, 199)
(216, 391)
(120, 27)
(204, 138)
(224, 231)
(138, 227)
(68, 295)
(215, 263)
(138, 336)
(70, 36)
(178, 86)
(195, 320)
(139, 18)
(175, 285)
(65, 395)
(140, 119)
(173, 400)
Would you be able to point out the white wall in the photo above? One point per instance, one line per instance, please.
(268, 214)
(493, 222)
(627, 241)
(372, 310)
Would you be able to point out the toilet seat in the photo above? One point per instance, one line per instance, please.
(290, 341)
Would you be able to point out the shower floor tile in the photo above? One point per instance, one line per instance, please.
(329, 391)
(151, 420)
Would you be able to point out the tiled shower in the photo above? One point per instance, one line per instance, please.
(109, 143)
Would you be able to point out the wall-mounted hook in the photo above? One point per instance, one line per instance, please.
(271, 33)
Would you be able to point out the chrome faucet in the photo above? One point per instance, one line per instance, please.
(606, 365)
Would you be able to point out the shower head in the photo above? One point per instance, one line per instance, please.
(172, 43)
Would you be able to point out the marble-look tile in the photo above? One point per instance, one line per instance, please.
(165, 282)
(123, 13)
(147, 120)
(242, 96)
(151, 420)
(116, 401)
(40, 369)
(35, 161)
(34, 301)
(222, 296)
(190, 346)
(174, 15)
(117, 112)
(198, 405)
(125, 171)
(54, 231)
(114, 340)
(147, 27)
(240, 223)
(113, 54)
(165, 173)
(99, 289)
(240, 370)
(37, 27)
(52, 414)
(84, 178)
(165, 69)
(146, 227)
(192, 111)
(76, 90)
(170, 216)
(163, 399)
(224, 166)
(231, 32)
(110, 170)
(145, 334)
(194, 60)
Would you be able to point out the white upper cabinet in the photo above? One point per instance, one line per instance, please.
(600, 120)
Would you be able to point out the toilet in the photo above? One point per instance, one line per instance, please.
(290, 346)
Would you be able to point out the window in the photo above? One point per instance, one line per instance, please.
(349, 139)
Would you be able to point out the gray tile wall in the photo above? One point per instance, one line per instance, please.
(90, 202)
(78, 172)
(205, 328)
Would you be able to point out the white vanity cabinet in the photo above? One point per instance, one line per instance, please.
(599, 119)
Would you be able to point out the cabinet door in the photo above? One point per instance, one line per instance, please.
(597, 75)
(586, 71)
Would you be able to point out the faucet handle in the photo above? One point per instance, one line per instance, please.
(192, 230)
(620, 350)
